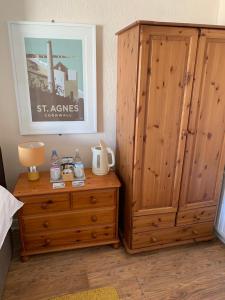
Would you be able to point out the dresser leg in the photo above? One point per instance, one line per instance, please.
(24, 258)
(116, 245)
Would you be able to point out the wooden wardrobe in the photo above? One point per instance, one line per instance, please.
(170, 132)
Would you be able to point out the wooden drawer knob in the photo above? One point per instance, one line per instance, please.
(195, 231)
(47, 242)
(94, 218)
(93, 200)
(94, 235)
(153, 239)
(45, 224)
(45, 205)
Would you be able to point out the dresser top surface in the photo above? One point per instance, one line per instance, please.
(44, 186)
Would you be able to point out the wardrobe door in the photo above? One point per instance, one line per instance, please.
(205, 150)
(166, 67)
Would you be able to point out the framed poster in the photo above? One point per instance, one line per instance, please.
(55, 77)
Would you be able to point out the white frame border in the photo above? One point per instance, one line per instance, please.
(27, 127)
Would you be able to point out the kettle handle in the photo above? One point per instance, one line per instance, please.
(113, 157)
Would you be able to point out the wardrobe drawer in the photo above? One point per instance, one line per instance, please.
(68, 220)
(151, 222)
(69, 237)
(92, 199)
(197, 215)
(171, 235)
(45, 203)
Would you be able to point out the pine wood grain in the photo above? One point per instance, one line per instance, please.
(171, 235)
(45, 203)
(176, 159)
(44, 186)
(164, 94)
(94, 199)
(205, 149)
(127, 74)
(151, 222)
(71, 219)
(56, 220)
(197, 215)
(139, 23)
(51, 239)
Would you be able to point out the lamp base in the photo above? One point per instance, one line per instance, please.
(33, 176)
(33, 173)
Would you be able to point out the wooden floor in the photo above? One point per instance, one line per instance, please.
(185, 272)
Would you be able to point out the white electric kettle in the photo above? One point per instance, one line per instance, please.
(100, 159)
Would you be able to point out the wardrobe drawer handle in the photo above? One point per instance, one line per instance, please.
(194, 231)
(47, 242)
(94, 235)
(45, 224)
(93, 200)
(94, 218)
(44, 205)
(153, 239)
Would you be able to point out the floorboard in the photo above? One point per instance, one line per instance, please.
(194, 272)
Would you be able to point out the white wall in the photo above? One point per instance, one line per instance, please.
(110, 16)
(221, 12)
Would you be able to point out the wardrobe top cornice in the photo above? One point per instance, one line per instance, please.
(172, 24)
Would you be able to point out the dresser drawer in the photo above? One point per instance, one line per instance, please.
(171, 235)
(198, 215)
(69, 237)
(45, 203)
(92, 199)
(68, 220)
(152, 222)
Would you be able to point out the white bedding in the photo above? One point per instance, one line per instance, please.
(8, 206)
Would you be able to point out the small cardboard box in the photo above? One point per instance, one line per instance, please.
(68, 177)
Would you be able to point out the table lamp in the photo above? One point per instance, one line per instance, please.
(31, 155)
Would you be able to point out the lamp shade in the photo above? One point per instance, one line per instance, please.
(31, 153)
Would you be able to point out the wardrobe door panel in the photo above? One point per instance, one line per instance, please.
(205, 150)
(127, 74)
(166, 67)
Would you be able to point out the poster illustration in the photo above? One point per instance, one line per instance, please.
(54, 68)
(55, 75)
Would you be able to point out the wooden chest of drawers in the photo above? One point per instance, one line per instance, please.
(69, 218)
